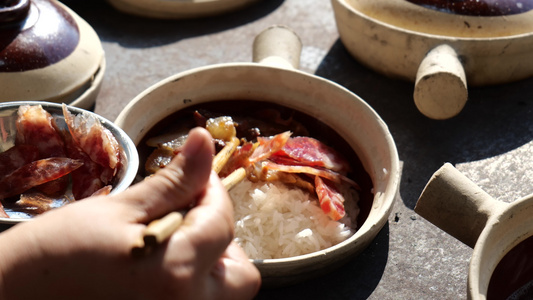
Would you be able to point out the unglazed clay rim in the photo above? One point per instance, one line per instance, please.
(389, 180)
(88, 98)
(426, 21)
(129, 149)
(488, 60)
(163, 9)
(86, 82)
(501, 234)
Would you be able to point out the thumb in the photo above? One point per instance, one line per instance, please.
(178, 184)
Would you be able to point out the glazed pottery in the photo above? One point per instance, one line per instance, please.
(48, 53)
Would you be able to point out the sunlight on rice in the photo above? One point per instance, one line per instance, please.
(274, 221)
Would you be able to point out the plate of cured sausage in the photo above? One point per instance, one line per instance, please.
(53, 154)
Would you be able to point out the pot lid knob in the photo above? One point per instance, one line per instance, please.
(13, 11)
(35, 36)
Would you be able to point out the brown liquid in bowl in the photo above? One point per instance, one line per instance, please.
(513, 276)
(482, 8)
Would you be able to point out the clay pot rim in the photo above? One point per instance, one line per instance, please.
(382, 201)
(161, 9)
(483, 260)
(439, 37)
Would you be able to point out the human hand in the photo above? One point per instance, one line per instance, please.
(82, 250)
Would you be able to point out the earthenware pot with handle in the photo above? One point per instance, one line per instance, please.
(500, 233)
(439, 51)
(273, 78)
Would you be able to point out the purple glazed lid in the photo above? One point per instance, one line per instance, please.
(27, 39)
(47, 53)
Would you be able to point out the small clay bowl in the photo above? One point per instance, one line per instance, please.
(129, 154)
(63, 63)
(272, 78)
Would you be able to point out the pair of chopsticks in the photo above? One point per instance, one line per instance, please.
(158, 231)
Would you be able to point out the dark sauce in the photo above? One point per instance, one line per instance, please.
(513, 276)
(482, 8)
(256, 110)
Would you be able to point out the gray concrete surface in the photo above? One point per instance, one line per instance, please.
(490, 141)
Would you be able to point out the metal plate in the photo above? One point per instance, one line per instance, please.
(129, 155)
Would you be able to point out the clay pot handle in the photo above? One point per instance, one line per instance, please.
(277, 46)
(457, 205)
(440, 87)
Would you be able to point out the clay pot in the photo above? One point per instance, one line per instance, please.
(162, 9)
(273, 78)
(497, 231)
(440, 52)
(48, 53)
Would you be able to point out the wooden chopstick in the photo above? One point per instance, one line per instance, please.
(158, 231)
(235, 177)
(222, 157)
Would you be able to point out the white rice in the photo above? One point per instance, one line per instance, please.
(275, 221)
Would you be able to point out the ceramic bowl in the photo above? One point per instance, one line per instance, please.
(272, 79)
(63, 63)
(129, 154)
(500, 233)
(404, 40)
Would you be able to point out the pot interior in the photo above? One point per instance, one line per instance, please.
(349, 116)
(502, 264)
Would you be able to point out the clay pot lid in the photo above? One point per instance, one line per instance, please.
(164, 9)
(48, 53)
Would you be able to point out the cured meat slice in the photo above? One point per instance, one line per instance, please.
(157, 160)
(324, 173)
(36, 126)
(240, 158)
(308, 151)
(330, 199)
(3, 213)
(93, 138)
(103, 191)
(269, 146)
(36, 203)
(258, 173)
(86, 180)
(17, 156)
(36, 173)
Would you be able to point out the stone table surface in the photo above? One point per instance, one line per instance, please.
(490, 141)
